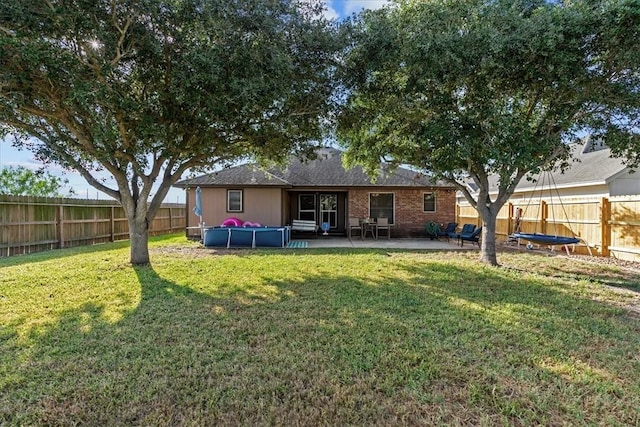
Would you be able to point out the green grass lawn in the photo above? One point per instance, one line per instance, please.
(315, 337)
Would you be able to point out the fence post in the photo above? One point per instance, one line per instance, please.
(112, 225)
(510, 219)
(60, 225)
(95, 226)
(605, 226)
(543, 217)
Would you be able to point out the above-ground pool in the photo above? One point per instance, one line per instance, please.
(246, 237)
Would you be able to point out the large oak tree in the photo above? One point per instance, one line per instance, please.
(148, 89)
(467, 89)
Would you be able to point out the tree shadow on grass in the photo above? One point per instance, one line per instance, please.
(143, 368)
(487, 346)
(424, 343)
(558, 266)
(514, 332)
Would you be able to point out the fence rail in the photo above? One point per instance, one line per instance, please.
(33, 224)
(609, 226)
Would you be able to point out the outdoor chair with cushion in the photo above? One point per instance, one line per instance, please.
(355, 224)
(383, 224)
(471, 237)
(451, 228)
(466, 229)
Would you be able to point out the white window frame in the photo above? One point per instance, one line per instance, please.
(229, 192)
(315, 205)
(435, 201)
(332, 214)
(392, 221)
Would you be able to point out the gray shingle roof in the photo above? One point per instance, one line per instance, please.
(591, 167)
(325, 171)
(243, 175)
(592, 164)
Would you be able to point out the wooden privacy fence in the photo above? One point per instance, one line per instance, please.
(33, 224)
(610, 226)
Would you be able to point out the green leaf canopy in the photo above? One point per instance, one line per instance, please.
(471, 89)
(149, 89)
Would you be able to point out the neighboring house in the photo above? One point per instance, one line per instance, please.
(592, 174)
(596, 199)
(321, 190)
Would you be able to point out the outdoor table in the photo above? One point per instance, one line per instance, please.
(369, 225)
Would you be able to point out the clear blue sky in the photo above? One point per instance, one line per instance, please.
(337, 9)
(11, 156)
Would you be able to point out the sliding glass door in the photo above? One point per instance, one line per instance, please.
(320, 208)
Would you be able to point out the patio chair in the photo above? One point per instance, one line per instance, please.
(466, 229)
(383, 224)
(471, 237)
(355, 224)
(450, 228)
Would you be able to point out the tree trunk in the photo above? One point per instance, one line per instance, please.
(488, 246)
(139, 240)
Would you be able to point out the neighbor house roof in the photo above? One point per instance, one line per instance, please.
(326, 170)
(592, 164)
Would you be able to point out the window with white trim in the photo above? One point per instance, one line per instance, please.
(381, 205)
(234, 200)
(307, 207)
(430, 202)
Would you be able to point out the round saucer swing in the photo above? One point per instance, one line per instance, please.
(547, 239)
(542, 238)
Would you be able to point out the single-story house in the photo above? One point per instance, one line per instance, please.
(320, 190)
(592, 173)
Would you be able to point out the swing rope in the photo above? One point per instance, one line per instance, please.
(524, 211)
(548, 239)
(553, 210)
(538, 216)
(564, 211)
(546, 178)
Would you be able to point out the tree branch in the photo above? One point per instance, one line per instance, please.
(122, 30)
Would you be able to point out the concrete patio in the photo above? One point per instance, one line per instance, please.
(420, 243)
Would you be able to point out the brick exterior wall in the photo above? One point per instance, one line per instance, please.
(410, 218)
